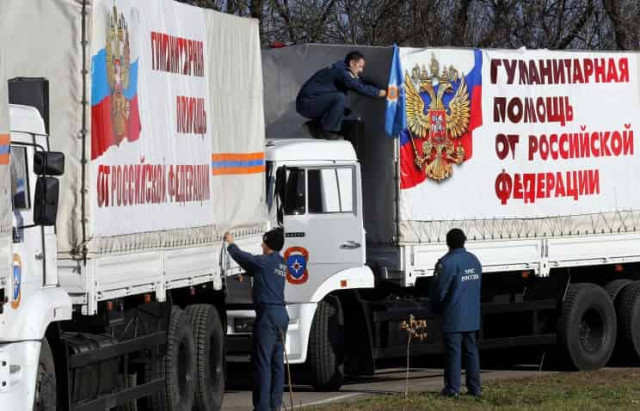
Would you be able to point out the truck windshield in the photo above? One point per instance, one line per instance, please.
(19, 178)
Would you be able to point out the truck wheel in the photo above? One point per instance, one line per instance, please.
(628, 309)
(177, 367)
(587, 326)
(209, 341)
(614, 287)
(45, 395)
(326, 356)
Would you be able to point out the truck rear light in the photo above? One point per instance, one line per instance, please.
(243, 325)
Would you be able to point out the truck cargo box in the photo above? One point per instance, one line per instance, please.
(533, 153)
(158, 109)
(547, 145)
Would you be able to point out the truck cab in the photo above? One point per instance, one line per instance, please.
(34, 299)
(314, 190)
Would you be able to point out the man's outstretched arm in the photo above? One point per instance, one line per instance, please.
(357, 85)
(249, 262)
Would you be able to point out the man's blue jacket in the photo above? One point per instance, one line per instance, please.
(268, 272)
(455, 291)
(337, 78)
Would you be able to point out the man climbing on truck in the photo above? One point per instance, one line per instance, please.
(323, 98)
(455, 294)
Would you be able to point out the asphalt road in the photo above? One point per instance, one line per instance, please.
(385, 381)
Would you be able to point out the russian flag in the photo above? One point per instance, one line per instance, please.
(395, 116)
(103, 133)
(410, 174)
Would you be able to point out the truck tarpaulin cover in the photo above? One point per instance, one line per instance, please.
(516, 136)
(174, 143)
(6, 214)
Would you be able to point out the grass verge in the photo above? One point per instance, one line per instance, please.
(612, 389)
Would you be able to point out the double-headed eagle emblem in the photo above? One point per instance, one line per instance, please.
(118, 66)
(439, 128)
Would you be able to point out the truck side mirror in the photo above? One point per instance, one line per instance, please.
(50, 163)
(45, 208)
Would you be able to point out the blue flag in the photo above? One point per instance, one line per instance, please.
(396, 116)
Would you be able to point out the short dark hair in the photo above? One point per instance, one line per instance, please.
(274, 238)
(353, 55)
(456, 238)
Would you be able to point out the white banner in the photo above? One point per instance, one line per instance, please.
(150, 130)
(518, 134)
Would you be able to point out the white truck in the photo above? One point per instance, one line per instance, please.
(137, 140)
(532, 153)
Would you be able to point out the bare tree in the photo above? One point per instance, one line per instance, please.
(554, 24)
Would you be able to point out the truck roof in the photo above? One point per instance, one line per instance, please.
(310, 150)
(26, 119)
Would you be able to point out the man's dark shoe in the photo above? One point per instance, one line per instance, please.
(332, 136)
(475, 395)
(311, 127)
(449, 394)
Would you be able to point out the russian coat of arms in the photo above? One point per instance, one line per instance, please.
(118, 68)
(436, 131)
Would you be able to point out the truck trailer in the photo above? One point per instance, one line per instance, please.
(136, 141)
(532, 153)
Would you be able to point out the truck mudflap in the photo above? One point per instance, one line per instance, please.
(18, 369)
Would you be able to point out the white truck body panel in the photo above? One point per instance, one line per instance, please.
(17, 388)
(153, 272)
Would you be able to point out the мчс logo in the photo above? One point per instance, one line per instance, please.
(297, 259)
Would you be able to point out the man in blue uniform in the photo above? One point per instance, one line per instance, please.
(270, 327)
(455, 294)
(323, 98)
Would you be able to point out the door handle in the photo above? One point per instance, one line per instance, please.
(350, 245)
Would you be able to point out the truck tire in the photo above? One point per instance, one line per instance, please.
(209, 341)
(628, 309)
(177, 367)
(45, 393)
(326, 356)
(614, 287)
(587, 331)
